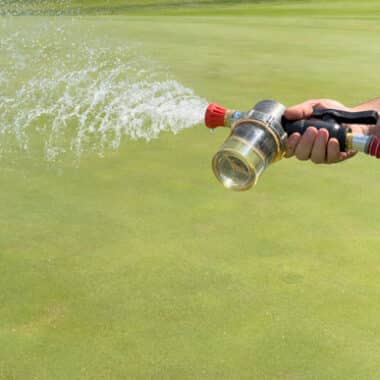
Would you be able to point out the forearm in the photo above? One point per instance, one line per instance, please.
(370, 105)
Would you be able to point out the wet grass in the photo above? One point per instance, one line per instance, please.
(335, 8)
(140, 266)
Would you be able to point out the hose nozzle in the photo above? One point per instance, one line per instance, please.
(259, 137)
(215, 116)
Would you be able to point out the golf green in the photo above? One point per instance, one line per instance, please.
(140, 265)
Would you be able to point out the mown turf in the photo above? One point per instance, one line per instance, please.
(335, 8)
(141, 266)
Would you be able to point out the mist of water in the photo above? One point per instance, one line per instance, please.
(44, 7)
(60, 94)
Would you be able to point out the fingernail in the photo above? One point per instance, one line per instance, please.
(310, 131)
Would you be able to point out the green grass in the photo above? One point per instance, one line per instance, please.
(141, 266)
(309, 8)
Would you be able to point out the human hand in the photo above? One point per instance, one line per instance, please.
(315, 144)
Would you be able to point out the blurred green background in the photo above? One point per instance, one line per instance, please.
(139, 265)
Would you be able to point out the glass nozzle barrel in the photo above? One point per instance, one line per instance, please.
(237, 167)
(243, 157)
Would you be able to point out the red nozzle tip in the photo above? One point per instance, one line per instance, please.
(215, 115)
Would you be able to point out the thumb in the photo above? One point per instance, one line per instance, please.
(301, 111)
(305, 110)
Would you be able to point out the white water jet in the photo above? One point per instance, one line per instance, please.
(80, 97)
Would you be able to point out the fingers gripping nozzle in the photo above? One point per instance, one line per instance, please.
(335, 130)
(331, 120)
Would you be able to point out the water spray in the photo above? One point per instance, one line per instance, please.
(258, 138)
(63, 98)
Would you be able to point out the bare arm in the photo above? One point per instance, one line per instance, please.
(370, 105)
